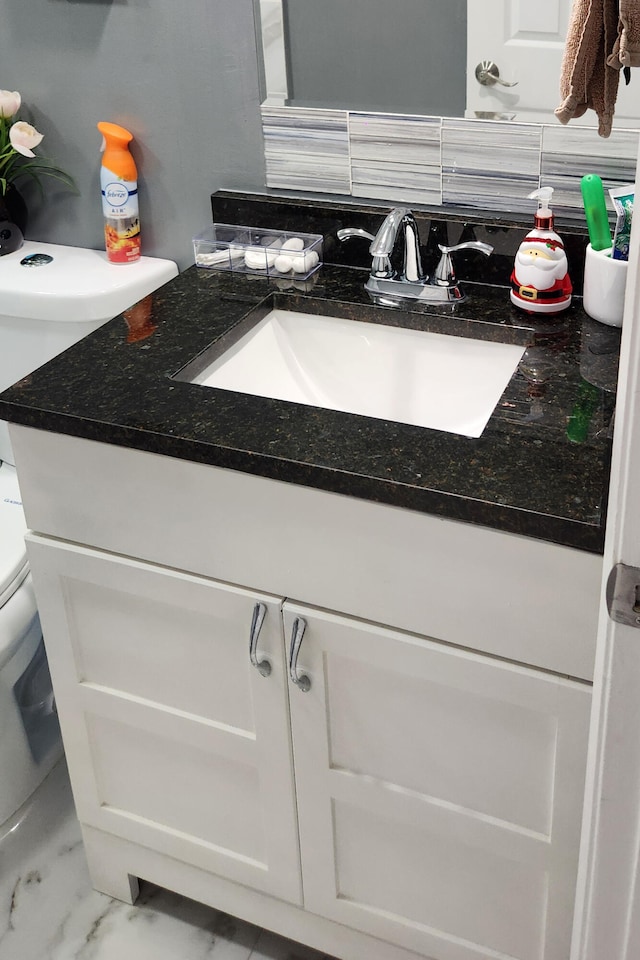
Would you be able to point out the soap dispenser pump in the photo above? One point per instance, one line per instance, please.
(540, 280)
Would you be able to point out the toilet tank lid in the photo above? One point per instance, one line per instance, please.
(48, 281)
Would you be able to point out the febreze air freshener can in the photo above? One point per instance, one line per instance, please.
(119, 185)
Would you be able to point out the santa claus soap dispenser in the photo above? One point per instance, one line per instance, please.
(540, 280)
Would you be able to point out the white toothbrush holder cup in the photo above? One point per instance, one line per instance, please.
(604, 285)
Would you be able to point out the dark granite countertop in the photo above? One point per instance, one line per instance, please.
(540, 468)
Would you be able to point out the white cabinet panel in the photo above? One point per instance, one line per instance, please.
(439, 792)
(455, 897)
(187, 657)
(478, 747)
(179, 787)
(174, 740)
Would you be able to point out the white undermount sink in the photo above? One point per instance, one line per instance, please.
(392, 373)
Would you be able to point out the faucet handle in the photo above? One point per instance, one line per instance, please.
(346, 232)
(445, 275)
(381, 266)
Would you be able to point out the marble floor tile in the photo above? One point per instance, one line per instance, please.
(271, 947)
(48, 910)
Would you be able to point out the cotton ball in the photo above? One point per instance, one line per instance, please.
(305, 263)
(283, 264)
(293, 243)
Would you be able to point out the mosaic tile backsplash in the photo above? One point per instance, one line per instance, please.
(477, 164)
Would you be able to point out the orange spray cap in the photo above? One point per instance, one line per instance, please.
(116, 155)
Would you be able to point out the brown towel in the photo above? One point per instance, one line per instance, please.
(587, 81)
(626, 50)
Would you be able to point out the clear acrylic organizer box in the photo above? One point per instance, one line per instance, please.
(274, 253)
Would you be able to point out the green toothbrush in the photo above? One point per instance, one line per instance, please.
(595, 209)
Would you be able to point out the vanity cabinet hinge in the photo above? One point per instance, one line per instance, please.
(623, 595)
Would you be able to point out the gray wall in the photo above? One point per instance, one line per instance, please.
(378, 54)
(181, 76)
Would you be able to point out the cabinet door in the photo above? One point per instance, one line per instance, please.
(439, 792)
(174, 740)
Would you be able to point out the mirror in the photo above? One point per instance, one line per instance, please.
(379, 61)
(420, 57)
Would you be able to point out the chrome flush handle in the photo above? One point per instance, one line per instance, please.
(301, 681)
(262, 666)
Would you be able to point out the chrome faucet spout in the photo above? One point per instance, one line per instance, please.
(412, 270)
(385, 239)
(398, 220)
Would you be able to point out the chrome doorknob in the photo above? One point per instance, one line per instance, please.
(488, 74)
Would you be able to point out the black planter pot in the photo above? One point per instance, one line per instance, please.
(13, 220)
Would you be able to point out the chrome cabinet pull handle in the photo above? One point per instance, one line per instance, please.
(301, 681)
(488, 74)
(262, 666)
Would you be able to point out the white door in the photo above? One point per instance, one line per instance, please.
(439, 791)
(608, 904)
(174, 740)
(526, 41)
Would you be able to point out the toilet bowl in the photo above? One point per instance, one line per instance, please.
(50, 297)
(29, 732)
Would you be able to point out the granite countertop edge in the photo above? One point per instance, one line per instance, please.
(116, 387)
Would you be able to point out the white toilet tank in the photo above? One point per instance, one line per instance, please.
(52, 295)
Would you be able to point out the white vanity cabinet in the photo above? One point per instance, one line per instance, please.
(419, 799)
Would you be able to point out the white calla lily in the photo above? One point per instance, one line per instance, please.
(10, 101)
(18, 139)
(24, 137)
